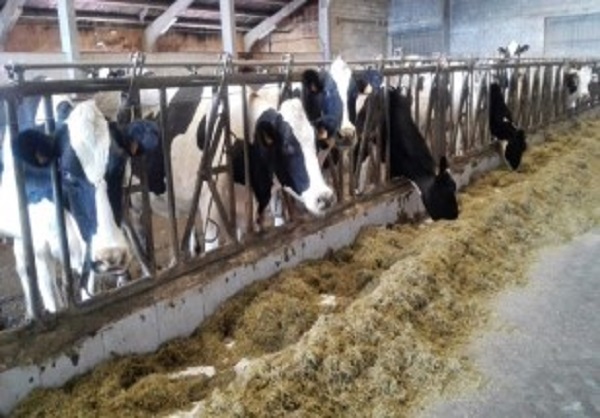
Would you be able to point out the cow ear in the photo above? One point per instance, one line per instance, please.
(443, 166)
(142, 136)
(523, 48)
(311, 81)
(35, 148)
(265, 131)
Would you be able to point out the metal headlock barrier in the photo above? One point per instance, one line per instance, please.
(450, 106)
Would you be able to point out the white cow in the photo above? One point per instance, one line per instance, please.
(82, 143)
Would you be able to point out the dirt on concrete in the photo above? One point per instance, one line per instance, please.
(373, 329)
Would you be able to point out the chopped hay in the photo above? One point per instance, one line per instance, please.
(408, 298)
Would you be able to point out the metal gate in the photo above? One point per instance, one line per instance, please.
(450, 106)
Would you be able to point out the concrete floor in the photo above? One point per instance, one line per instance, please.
(542, 358)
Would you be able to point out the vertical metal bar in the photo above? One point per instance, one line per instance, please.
(30, 270)
(68, 33)
(166, 148)
(439, 143)
(69, 285)
(249, 194)
(146, 218)
(325, 28)
(229, 163)
(227, 9)
(387, 133)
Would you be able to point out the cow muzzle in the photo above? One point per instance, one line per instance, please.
(346, 136)
(324, 201)
(113, 260)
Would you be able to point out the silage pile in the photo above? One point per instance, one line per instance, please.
(407, 298)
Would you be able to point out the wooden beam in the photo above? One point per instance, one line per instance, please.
(8, 18)
(87, 16)
(270, 24)
(240, 11)
(163, 22)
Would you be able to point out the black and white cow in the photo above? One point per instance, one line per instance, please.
(410, 156)
(282, 146)
(581, 85)
(512, 50)
(330, 97)
(91, 167)
(502, 126)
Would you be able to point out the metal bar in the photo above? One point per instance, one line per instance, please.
(166, 147)
(202, 169)
(68, 33)
(69, 287)
(389, 70)
(324, 28)
(26, 237)
(442, 108)
(229, 164)
(228, 29)
(246, 129)
(387, 133)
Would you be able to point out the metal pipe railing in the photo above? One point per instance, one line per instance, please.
(535, 95)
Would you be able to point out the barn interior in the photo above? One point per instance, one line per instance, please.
(311, 314)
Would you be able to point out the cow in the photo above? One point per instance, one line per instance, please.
(504, 129)
(579, 82)
(512, 50)
(91, 165)
(330, 97)
(282, 145)
(410, 156)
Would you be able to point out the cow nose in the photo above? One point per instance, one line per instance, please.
(107, 260)
(326, 200)
(347, 135)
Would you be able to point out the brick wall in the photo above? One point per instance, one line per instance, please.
(359, 28)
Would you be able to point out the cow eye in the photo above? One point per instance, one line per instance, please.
(289, 149)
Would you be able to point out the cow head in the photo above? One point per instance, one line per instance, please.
(439, 197)
(330, 98)
(410, 157)
(514, 148)
(284, 143)
(571, 81)
(513, 49)
(83, 145)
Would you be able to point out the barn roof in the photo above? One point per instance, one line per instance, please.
(201, 16)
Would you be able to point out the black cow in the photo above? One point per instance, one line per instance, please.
(502, 126)
(410, 156)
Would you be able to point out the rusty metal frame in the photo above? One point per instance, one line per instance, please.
(535, 95)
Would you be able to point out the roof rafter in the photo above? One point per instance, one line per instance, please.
(121, 19)
(270, 24)
(163, 22)
(8, 18)
(240, 12)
